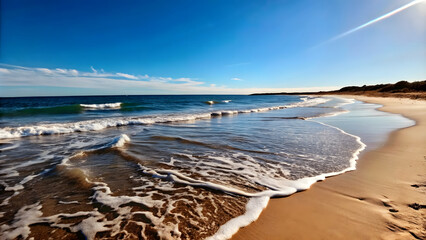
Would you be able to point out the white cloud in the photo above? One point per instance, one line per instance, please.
(73, 72)
(128, 76)
(4, 70)
(187, 81)
(94, 70)
(59, 70)
(44, 70)
(120, 83)
(52, 71)
(65, 71)
(236, 79)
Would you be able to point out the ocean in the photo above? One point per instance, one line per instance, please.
(169, 167)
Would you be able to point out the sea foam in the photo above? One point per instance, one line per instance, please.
(258, 200)
(253, 210)
(118, 141)
(102, 106)
(100, 124)
(96, 221)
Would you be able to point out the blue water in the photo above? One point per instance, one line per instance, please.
(172, 167)
(18, 111)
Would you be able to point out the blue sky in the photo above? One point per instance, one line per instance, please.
(182, 47)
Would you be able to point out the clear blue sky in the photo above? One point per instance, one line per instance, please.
(150, 47)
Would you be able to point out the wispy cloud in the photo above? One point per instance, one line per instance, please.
(17, 76)
(378, 19)
(236, 79)
(44, 70)
(128, 76)
(93, 69)
(4, 70)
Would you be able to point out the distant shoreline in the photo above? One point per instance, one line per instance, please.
(401, 89)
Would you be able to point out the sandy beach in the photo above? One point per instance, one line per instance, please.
(384, 198)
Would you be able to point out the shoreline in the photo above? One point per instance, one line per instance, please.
(382, 198)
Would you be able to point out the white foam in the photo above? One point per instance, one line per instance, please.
(254, 207)
(244, 111)
(332, 114)
(104, 195)
(96, 222)
(229, 112)
(276, 187)
(226, 101)
(99, 124)
(13, 146)
(10, 169)
(102, 106)
(32, 214)
(345, 101)
(19, 186)
(119, 141)
(309, 102)
(26, 216)
(70, 202)
(93, 125)
(90, 226)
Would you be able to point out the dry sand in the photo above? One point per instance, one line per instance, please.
(383, 199)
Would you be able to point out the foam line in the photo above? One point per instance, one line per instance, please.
(258, 200)
(13, 146)
(100, 124)
(97, 222)
(102, 106)
(118, 142)
(71, 202)
(254, 208)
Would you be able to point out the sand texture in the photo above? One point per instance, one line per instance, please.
(385, 198)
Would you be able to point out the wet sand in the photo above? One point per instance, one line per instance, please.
(385, 198)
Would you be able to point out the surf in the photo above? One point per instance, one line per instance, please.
(116, 105)
(103, 123)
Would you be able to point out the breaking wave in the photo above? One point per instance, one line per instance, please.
(99, 124)
(102, 106)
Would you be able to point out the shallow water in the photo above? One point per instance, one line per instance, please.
(365, 121)
(184, 167)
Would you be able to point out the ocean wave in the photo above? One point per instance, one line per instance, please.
(68, 109)
(211, 102)
(99, 124)
(7, 148)
(116, 142)
(274, 187)
(96, 221)
(116, 105)
(164, 178)
(57, 110)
